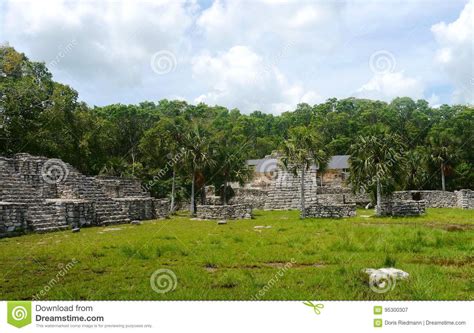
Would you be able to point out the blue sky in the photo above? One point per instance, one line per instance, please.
(252, 55)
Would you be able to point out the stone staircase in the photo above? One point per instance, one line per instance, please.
(40, 194)
(285, 190)
(80, 186)
(15, 189)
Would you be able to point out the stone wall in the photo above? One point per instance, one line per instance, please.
(434, 199)
(137, 208)
(401, 208)
(116, 187)
(161, 208)
(224, 212)
(72, 213)
(12, 218)
(330, 210)
(144, 208)
(254, 197)
(465, 199)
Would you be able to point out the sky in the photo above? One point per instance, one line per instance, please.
(266, 55)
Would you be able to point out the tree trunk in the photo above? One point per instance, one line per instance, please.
(173, 191)
(192, 205)
(203, 195)
(379, 193)
(303, 213)
(225, 192)
(133, 161)
(443, 184)
(316, 180)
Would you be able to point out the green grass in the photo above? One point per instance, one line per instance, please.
(236, 261)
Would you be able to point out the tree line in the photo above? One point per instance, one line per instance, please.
(175, 147)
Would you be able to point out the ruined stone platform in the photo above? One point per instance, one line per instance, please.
(38, 194)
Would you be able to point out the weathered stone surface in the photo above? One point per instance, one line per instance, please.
(465, 199)
(224, 212)
(401, 208)
(137, 208)
(285, 190)
(161, 208)
(57, 197)
(433, 199)
(12, 218)
(254, 197)
(330, 211)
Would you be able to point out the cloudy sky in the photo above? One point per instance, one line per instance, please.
(266, 55)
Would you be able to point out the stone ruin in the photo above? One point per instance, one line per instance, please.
(414, 203)
(224, 212)
(39, 194)
(401, 208)
(282, 191)
(439, 199)
(330, 210)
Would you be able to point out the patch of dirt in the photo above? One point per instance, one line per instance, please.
(456, 227)
(278, 264)
(444, 261)
(448, 227)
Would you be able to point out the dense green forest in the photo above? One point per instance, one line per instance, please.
(156, 140)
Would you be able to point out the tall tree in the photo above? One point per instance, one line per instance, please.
(197, 153)
(163, 148)
(441, 151)
(376, 160)
(302, 150)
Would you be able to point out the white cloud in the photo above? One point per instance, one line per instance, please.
(240, 78)
(260, 54)
(456, 53)
(267, 24)
(114, 39)
(387, 86)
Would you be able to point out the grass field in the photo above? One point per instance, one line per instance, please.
(236, 261)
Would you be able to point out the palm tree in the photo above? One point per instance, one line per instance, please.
(197, 154)
(376, 159)
(231, 153)
(441, 152)
(416, 168)
(301, 151)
